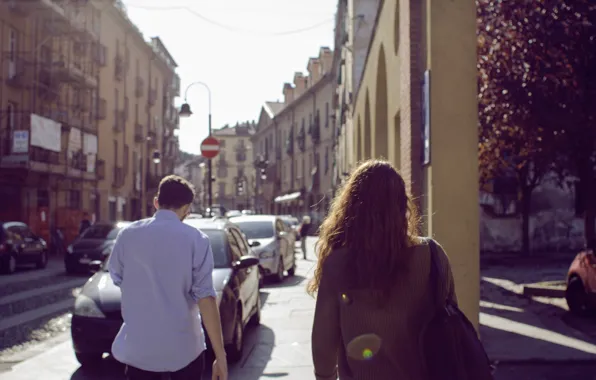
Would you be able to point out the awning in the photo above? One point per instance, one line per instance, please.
(287, 197)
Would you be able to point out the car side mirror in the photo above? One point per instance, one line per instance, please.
(254, 243)
(246, 262)
(95, 266)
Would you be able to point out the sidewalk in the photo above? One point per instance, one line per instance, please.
(281, 346)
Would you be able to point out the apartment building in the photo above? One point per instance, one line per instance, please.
(193, 170)
(355, 21)
(297, 138)
(233, 170)
(51, 57)
(137, 140)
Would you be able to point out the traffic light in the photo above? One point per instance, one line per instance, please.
(263, 173)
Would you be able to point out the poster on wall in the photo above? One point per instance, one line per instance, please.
(20, 142)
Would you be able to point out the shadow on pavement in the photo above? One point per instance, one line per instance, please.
(286, 283)
(258, 347)
(519, 329)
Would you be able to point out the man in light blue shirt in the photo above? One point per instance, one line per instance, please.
(164, 269)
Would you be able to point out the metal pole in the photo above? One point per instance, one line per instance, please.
(209, 167)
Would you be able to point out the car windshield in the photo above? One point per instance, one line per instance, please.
(290, 222)
(218, 246)
(101, 231)
(257, 229)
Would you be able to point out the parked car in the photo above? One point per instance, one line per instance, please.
(97, 313)
(581, 282)
(94, 244)
(293, 223)
(270, 240)
(20, 246)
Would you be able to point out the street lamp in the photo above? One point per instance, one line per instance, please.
(156, 157)
(261, 164)
(186, 112)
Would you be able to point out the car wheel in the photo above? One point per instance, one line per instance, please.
(234, 350)
(9, 266)
(279, 275)
(292, 270)
(256, 318)
(42, 261)
(89, 359)
(575, 294)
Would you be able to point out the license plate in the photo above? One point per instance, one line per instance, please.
(84, 261)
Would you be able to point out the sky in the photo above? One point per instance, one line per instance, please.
(241, 49)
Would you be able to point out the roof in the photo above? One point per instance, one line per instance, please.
(273, 108)
(244, 129)
(253, 218)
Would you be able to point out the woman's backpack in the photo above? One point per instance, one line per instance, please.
(451, 347)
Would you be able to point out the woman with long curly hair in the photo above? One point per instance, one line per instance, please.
(372, 281)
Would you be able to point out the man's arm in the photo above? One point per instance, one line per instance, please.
(203, 292)
(115, 264)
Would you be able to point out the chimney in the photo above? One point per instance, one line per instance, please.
(288, 93)
(326, 59)
(300, 82)
(314, 70)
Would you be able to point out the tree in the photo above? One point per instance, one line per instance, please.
(510, 144)
(541, 56)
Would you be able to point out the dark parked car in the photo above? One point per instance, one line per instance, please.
(97, 315)
(581, 282)
(19, 245)
(94, 244)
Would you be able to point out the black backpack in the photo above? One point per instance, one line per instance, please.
(450, 344)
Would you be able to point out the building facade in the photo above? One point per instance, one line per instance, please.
(51, 59)
(296, 137)
(68, 127)
(233, 174)
(416, 105)
(355, 20)
(137, 140)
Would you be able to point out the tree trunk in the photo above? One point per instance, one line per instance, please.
(526, 198)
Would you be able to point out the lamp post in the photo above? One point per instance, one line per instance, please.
(186, 112)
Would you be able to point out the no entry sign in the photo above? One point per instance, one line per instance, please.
(210, 147)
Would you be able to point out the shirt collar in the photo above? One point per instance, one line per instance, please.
(166, 215)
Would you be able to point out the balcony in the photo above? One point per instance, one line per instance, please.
(139, 136)
(176, 85)
(83, 74)
(139, 87)
(152, 136)
(152, 99)
(48, 8)
(118, 177)
(301, 139)
(314, 130)
(119, 69)
(119, 120)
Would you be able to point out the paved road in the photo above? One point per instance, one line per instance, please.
(280, 347)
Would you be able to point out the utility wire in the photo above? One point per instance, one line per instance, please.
(231, 28)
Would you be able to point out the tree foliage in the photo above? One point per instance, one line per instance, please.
(537, 90)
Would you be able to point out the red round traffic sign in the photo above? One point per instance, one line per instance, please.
(210, 147)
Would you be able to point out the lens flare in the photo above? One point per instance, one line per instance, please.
(367, 353)
(364, 347)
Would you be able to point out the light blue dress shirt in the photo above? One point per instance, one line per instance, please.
(163, 267)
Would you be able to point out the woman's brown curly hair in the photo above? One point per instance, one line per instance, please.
(375, 220)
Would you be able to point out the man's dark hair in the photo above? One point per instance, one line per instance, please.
(175, 192)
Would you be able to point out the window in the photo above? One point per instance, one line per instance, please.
(257, 230)
(326, 159)
(125, 164)
(115, 152)
(11, 109)
(74, 199)
(43, 198)
(327, 115)
(222, 189)
(137, 113)
(222, 143)
(244, 249)
(12, 53)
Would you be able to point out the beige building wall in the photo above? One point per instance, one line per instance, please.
(389, 123)
(234, 166)
(133, 85)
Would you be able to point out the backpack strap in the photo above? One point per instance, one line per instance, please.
(436, 277)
